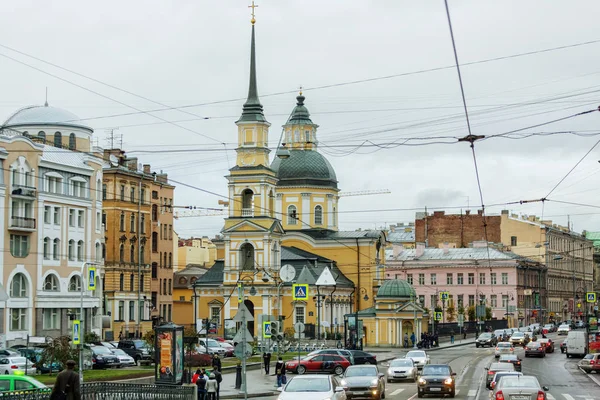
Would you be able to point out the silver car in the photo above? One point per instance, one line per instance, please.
(504, 348)
(364, 381)
(419, 357)
(312, 387)
(402, 368)
(519, 388)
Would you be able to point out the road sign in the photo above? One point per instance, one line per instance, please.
(240, 293)
(77, 332)
(91, 278)
(242, 351)
(239, 336)
(444, 295)
(299, 327)
(461, 320)
(438, 315)
(326, 278)
(266, 329)
(243, 314)
(591, 297)
(300, 291)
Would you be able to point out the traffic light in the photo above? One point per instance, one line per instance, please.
(276, 331)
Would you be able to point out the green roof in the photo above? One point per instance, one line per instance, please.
(396, 288)
(594, 237)
(304, 167)
(214, 276)
(300, 114)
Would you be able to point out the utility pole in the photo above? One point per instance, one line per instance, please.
(139, 217)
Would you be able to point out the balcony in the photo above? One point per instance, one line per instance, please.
(24, 191)
(22, 224)
(247, 212)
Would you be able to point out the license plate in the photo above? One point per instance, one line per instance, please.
(435, 389)
(519, 397)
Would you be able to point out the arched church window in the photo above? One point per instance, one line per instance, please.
(72, 142)
(57, 139)
(247, 257)
(307, 137)
(318, 215)
(42, 136)
(247, 203)
(292, 213)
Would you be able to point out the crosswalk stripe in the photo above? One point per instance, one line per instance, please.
(472, 393)
(568, 396)
(395, 392)
(550, 397)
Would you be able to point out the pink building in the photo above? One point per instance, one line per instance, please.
(505, 282)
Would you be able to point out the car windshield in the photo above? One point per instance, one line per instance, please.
(485, 336)
(212, 343)
(119, 352)
(401, 363)
(101, 350)
(415, 354)
(504, 344)
(312, 384)
(518, 334)
(140, 344)
(520, 381)
(436, 370)
(509, 357)
(361, 371)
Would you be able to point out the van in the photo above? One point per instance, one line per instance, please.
(576, 343)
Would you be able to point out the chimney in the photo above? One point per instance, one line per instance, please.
(446, 247)
(147, 169)
(420, 250)
(438, 213)
(467, 212)
(479, 212)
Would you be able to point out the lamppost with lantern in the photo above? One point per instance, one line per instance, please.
(362, 290)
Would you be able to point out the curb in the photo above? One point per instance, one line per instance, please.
(249, 395)
(451, 346)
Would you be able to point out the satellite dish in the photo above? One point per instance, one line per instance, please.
(114, 161)
(287, 273)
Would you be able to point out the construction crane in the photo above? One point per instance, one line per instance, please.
(193, 211)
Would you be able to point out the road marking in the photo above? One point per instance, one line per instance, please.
(397, 391)
(472, 393)
(568, 396)
(550, 397)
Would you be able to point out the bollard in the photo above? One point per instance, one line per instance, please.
(238, 377)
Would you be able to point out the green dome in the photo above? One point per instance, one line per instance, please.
(300, 114)
(304, 167)
(396, 288)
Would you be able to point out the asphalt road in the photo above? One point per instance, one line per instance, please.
(559, 373)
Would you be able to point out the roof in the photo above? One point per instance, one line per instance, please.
(44, 115)
(214, 275)
(471, 253)
(304, 167)
(325, 234)
(252, 110)
(300, 114)
(66, 157)
(594, 237)
(400, 237)
(396, 288)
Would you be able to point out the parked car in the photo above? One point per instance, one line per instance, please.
(347, 354)
(563, 346)
(548, 344)
(318, 363)
(525, 387)
(576, 343)
(437, 379)
(501, 374)
(564, 329)
(21, 382)
(360, 357)
(486, 339)
(513, 359)
(419, 357)
(125, 360)
(34, 354)
(402, 368)
(535, 349)
(103, 358)
(229, 349)
(8, 365)
(139, 349)
(495, 367)
(504, 348)
(590, 362)
(213, 346)
(10, 353)
(312, 387)
(364, 381)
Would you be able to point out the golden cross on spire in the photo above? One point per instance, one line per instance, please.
(253, 6)
(300, 90)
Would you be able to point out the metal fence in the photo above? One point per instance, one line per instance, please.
(116, 391)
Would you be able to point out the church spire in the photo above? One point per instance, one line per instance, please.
(252, 110)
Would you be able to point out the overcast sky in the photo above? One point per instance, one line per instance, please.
(184, 52)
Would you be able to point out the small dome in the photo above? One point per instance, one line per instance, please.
(396, 288)
(304, 167)
(44, 115)
(300, 114)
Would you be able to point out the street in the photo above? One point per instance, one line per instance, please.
(559, 373)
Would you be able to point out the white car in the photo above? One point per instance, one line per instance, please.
(504, 348)
(125, 360)
(402, 368)
(564, 329)
(419, 357)
(313, 387)
(8, 365)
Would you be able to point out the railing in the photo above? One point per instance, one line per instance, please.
(22, 222)
(247, 212)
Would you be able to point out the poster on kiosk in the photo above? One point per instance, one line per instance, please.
(168, 354)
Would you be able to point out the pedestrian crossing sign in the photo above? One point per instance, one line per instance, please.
(91, 278)
(444, 295)
(438, 316)
(267, 329)
(300, 291)
(591, 297)
(76, 332)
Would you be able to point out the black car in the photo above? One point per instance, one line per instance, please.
(104, 358)
(364, 381)
(436, 379)
(138, 349)
(486, 339)
(513, 359)
(362, 357)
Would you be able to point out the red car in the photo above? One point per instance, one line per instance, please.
(318, 363)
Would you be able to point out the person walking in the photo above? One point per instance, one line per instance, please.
(219, 379)
(196, 375)
(216, 362)
(66, 386)
(452, 336)
(201, 386)
(280, 371)
(413, 339)
(267, 362)
(211, 388)
(406, 340)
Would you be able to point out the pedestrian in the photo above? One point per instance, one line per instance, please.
(405, 340)
(465, 333)
(219, 379)
(413, 339)
(196, 375)
(201, 386)
(211, 388)
(280, 371)
(66, 386)
(267, 362)
(216, 362)
(452, 336)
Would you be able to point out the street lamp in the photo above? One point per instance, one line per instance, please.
(478, 315)
(195, 311)
(509, 297)
(415, 300)
(365, 298)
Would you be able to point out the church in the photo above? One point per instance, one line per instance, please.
(283, 214)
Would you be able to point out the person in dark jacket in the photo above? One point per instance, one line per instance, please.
(216, 362)
(67, 382)
(280, 371)
(267, 362)
(219, 379)
(201, 386)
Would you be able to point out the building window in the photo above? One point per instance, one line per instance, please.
(18, 286)
(42, 136)
(449, 279)
(50, 318)
(460, 279)
(494, 301)
(513, 240)
(433, 300)
(142, 195)
(51, 283)
(493, 278)
(170, 260)
(471, 300)
(142, 249)
(56, 215)
(154, 270)
(504, 301)
(318, 215)
(103, 251)
(71, 252)
(160, 286)
(122, 192)
(246, 257)
(80, 218)
(132, 253)
(165, 260)
(143, 224)
(292, 215)
(300, 314)
(71, 217)
(154, 212)
(460, 300)
(433, 279)
(122, 253)
(19, 245)
(409, 278)
(505, 278)
(46, 248)
(471, 279)
(121, 310)
(80, 250)
(122, 282)
(132, 222)
(131, 283)
(170, 232)
(18, 319)
(132, 194)
(141, 282)
(57, 139)
(47, 216)
(56, 248)
(421, 279)
(75, 284)
(78, 188)
(132, 310)
(155, 243)
(122, 222)
(164, 286)
(72, 142)
(482, 278)
(170, 286)
(104, 190)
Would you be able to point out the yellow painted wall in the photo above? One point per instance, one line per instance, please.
(528, 233)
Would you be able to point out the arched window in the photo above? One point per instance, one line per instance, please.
(46, 248)
(292, 215)
(80, 250)
(170, 260)
(131, 282)
(18, 286)
(247, 203)
(122, 222)
(42, 136)
(164, 286)
(132, 222)
(142, 248)
(75, 284)
(57, 139)
(154, 212)
(160, 263)
(182, 281)
(121, 282)
(318, 215)
(56, 248)
(51, 283)
(247, 257)
(98, 252)
(132, 253)
(169, 286)
(72, 250)
(122, 253)
(72, 142)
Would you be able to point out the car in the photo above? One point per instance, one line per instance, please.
(486, 339)
(318, 363)
(519, 338)
(519, 387)
(364, 381)
(11, 353)
(590, 362)
(312, 387)
(535, 349)
(563, 329)
(500, 333)
(35, 355)
(360, 357)
(501, 374)
(549, 328)
(125, 360)
(139, 349)
(213, 347)
(495, 367)
(18, 381)
(577, 343)
(103, 358)
(535, 329)
(228, 349)
(513, 359)
(340, 352)
(504, 348)
(437, 379)
(563, 346)
(419, 357)
(579, 324)
(548, 344)
(402, 368)
(8, 365)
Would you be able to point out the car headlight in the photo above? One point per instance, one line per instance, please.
(374, 382)
(422, 381)
(389, 371)
(448, 381)
(344, 383)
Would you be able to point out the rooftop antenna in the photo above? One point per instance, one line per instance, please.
(46, 102)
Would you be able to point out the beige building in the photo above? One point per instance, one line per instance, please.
(196, 251)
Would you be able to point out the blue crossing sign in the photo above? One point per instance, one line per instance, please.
(300, 291)
(591, 297)
(438, 316)
(267, 329)
(91, 278)
(77, 332)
